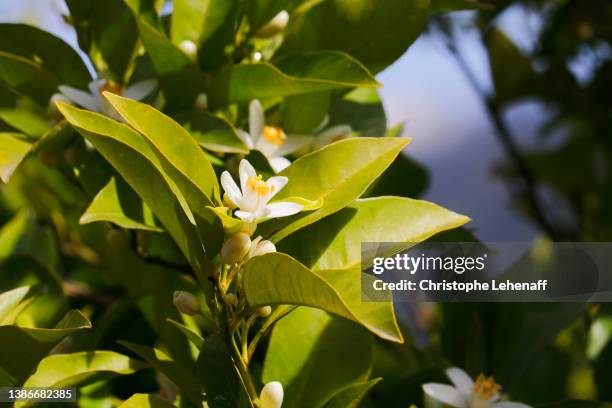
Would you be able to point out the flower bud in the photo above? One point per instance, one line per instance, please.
(201, 102)
(274, 26)
(231, 299)
(235, 248)
(271, 395)
(186, 303)
(52, 110)
(265, 311)
(260, 246)
(189, 48)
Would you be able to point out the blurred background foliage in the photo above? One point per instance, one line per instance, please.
(559, 182)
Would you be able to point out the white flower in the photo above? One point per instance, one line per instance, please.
(235, 248)
(484, 393)
(253, 195)
(271, 395)
(275, 144)
(95, 101)
(270, 140)
(260, 246)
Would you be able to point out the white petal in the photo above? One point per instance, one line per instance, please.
(446, 394)
(461, 380)
(293, 143)
(278, 182)
(141, 89)
(231, 188)
(94, 86)
(246, 171)
(509, 404)
(330, 135)
(79, 97)
(245, 216)
(264, 247)
(271, 395)
(279, 164)
(246, 139)
(282, 209)
(257, 119)
(268, 149)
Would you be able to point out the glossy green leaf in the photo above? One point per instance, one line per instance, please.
(22, 113)
(292, 75)
(217, 374)
(27, 77)
(12, 151)
(174, 143)
(145, 401)
(183, 161)
(211, 132)
(68, 370)
(310, 356)
(10, 301)
(362, 109)
(338, 174)
(184, 378)
(181, 79)
(376, 33)
(379, 219)
(277, 279)
(351, 396)
(100, 26)
(30, 344)
(303, 114)
(404, 177)
(193, 337)
(56, 56)
(119, 204)
(137, 162)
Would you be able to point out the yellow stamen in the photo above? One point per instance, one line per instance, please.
(259, 186)
(110, 87)
(486, 388)
(274, 135)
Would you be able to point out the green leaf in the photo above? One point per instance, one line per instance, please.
(52, 52)
(30, 344)
(309, 355)
(174, 143)
(85, 367)
(404, 178)
(351, 396)
(10, 302)
(211, 132)
(379, 219)
(12, 151)
(181, 79)
(376, 33)
(145, 401)
(100, 26)
(277, 279)
(303, 114)
(27, 77)
(218, 374)
(119, 204)
(191, 335)
(575, 404)
(362, 109)
(292, 75)
(184, 378)
(137, 162)
(503, 53)
(22, 113)
(338, 174)
(183, 161)
(262, 11)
